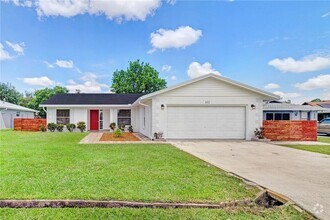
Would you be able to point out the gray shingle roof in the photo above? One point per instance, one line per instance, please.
(11, 106)
(92, 99)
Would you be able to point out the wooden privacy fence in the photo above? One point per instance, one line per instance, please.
(29, 124)
(291, 130)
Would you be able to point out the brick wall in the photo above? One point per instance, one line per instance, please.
(291, 130)
(28, 124)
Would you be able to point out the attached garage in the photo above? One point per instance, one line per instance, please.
(210, 122)
(207, 107)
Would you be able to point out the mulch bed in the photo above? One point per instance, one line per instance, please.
(127, 136)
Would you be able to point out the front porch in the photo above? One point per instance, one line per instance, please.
(99, 119)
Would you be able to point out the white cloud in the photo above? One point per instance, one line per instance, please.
(287, 96)
(4, 55)
(196, 69)
(306, 64)
(171, 2)
(326, 14)
(118, 10)
(166, 68)
(65, 8)
(18, 48)
(319, 82)
(272, 86)
(180, 38)
(89, 84)
(173, 77)
(38, 81)
(21, 3)
(125, 9)
(49, 65)
(64, 63)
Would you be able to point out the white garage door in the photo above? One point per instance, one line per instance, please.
(206, 122)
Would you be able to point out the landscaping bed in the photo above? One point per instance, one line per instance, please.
(126, 136)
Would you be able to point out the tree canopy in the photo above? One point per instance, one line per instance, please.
(9, 93)
(139, 77)
(316, 100)
(42, 95)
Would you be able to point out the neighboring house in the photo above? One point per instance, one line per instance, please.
(9, 111)
(287, 111)
(323, 104)
(207, 107)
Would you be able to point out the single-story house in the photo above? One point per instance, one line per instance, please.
(275, 110)
(9, 111)
(325, 104)
(207, 107)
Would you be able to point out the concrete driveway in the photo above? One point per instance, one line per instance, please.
(300, 175)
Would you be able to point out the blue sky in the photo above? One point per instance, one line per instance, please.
(279, 46)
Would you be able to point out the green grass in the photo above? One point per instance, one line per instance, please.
(324, 139)
(54, 166)
(323, 149)
(125, 213)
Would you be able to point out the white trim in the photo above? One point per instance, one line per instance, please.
(269, 95)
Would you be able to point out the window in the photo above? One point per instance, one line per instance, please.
(277, 116)
(101, 119)
(63, 116)
(269, 116)
(124, 117)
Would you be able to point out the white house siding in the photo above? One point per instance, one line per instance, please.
(76, 114)
(208, 92)
(145, 118)
(7, 117)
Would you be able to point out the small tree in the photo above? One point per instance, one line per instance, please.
(260, 133)
(42, 128)
(70, 127)
(52, 127)
(112, 126)
(117, 133)
(81, 126)
(60, 127)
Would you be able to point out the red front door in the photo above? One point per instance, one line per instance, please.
(94, 120)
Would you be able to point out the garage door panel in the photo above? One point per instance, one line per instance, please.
(206, 122)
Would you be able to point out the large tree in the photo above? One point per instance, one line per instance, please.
(9, 93)
(42, 95)
(139, 77)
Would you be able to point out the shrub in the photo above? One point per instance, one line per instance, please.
(52, 127)
(122, 127)
(70, 127)
(60, 127)
(117, 133)
(130, 128)
(42, 128)
(112, 126)
(260, 133)
(81, 126)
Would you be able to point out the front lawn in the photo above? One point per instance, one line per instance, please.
(55, 166)
(125, 213)
(324, 139)
(322, 149)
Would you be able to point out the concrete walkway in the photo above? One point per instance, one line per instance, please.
(301, 175)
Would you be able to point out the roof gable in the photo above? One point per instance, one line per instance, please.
(224, 80)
